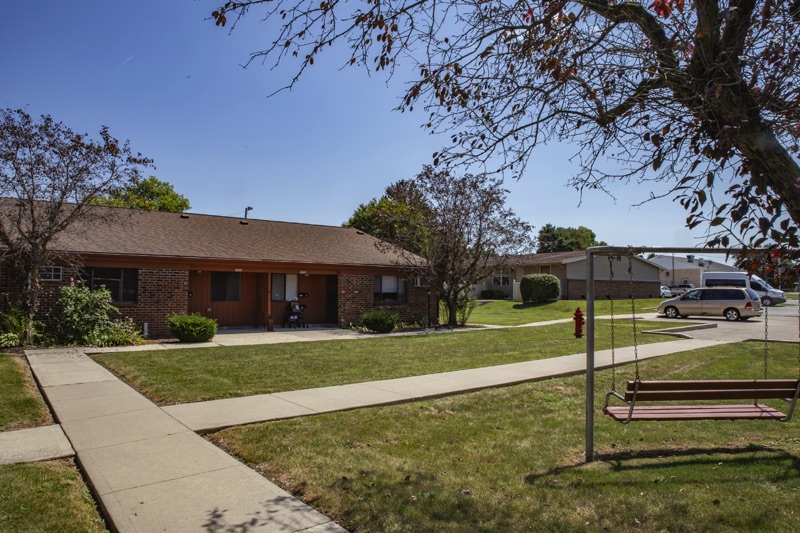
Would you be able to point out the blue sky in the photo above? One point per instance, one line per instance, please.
(158, 73)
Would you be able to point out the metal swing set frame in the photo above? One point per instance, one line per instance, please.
(639, 390)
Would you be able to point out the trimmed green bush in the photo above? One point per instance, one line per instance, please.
(83, 318)
(192, 328)
(539, 288)
(379, 321)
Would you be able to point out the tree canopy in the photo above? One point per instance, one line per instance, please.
(454, 229)
(700, 97)
(396, 217)
(50, 177)
(558, 239)
(150, 194)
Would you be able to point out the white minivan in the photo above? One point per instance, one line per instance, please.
(769, 295)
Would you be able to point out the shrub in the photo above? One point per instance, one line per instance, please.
(84, 318)
(9, 340)
(192, 328)
(499, 295)
(123, 332)
(539, 288)
(466, 304)
(379, 321)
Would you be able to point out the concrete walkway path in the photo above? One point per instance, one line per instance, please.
(35, 444)
(151, 471)
(148, 470)
(217, 414)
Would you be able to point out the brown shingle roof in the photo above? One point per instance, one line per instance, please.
(176, 235)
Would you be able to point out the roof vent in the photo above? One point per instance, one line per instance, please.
(690, 258)
(359, 232)
(243, 222)
(184, 215)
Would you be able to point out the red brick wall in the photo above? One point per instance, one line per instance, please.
(576, 289)
(356, 296)
(159, 293)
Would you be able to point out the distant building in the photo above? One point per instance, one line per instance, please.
(570, 269)
(687, 269)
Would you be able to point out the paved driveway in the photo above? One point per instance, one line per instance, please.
(781, 325)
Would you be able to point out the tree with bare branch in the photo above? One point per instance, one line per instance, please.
(452, 230)
(50, 177)
(699, 97)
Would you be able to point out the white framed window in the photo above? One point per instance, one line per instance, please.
(284, 287)
(390, 289)
(544, 269)
(501, 276)
(51, 273)
(421, 281)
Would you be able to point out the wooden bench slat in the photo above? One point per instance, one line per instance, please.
(710, 394)
(694, 412)
(715, 384)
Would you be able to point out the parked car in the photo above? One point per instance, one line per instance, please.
(733, 303)
(769, 295)
(677, 290)
(665, 292)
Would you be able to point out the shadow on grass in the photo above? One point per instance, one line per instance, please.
(531, 305)
(696, 464)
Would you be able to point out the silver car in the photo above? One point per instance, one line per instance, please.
(731, 302)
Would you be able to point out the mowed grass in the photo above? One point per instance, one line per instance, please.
(511, 459)
(49, 496)
(198, 374)
(508, 313)
(21, 406)
(44, 496)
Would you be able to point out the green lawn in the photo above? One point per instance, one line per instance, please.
(21, 405)
(196, 374)
(508, 313)
(510, 459)
(46, 496)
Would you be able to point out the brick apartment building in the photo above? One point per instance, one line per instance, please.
(237, 271)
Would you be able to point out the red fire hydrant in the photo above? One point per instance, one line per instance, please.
(579, 322)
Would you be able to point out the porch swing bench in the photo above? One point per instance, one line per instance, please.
(703, 390)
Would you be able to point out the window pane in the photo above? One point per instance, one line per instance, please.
(291, 287)
(389, 284)
(278, 287)
(233, 286)
(130, 285)
(219, 286)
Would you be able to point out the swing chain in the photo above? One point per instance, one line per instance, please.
(766, 340)
(613, 339)
(633, 315)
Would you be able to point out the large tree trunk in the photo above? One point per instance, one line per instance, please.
(452, 308)
(772, 166)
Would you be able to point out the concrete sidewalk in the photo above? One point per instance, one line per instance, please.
(35, 444)
(149, 471)
(217, 414)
